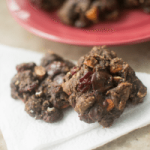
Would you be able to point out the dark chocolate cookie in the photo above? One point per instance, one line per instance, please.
(40, 87)
(83, 13)
(101, 86)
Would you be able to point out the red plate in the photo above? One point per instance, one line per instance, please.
(133, 26)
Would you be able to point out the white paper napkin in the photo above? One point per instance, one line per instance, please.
(22, 132)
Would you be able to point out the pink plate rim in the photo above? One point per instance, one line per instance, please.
(145, 35)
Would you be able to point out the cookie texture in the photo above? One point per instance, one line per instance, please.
(101, 86)
(40, 87)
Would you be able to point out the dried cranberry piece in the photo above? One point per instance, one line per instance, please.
(86, 76)
(100, 81)
(73, 70)
(85, 82)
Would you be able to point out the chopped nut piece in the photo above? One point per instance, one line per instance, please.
(50, 109)
(120, 95)
(92, 14)
(39, 94)
(118, 79)
(84, 102)
(40, 72)
(17, 82)
(116, 65)
(90, 62)
(31, 111)
(110, 104)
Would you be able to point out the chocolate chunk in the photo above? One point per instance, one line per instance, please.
(102, 81)
(40, 72)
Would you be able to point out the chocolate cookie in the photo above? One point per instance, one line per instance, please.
(40, 87)
(83, 13)
(101, 86)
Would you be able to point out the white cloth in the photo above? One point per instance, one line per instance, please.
(22, 132)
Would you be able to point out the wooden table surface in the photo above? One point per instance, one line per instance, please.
(137, 55)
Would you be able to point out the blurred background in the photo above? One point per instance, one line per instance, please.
(137, 55)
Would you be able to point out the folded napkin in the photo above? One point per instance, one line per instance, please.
(22, 132)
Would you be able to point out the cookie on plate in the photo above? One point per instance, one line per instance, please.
(86, 12)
